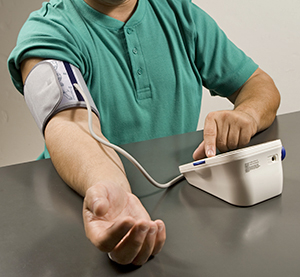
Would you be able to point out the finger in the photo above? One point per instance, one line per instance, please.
(233, 137)
(131, 245)
(160, 237)
(107, 240)
(210, 135)
(148, 246)
(199, 153)
(223, 128)
(244, 137)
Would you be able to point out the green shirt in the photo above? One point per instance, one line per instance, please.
(145, 75)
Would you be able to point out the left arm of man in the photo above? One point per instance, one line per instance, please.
(255, 107)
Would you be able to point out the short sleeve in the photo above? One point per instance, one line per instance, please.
(223, 67)
(44, 36)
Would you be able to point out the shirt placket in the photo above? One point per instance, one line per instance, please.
(138, 65)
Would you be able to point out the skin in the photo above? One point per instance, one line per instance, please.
(115, 221)
(118, 9)
(255, 107)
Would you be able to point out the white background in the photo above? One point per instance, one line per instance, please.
(267, 30)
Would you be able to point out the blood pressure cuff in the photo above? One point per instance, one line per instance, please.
(49, 89)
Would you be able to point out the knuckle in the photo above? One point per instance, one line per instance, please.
(139, 262)
(211, 116)
(136, 243)
(124, 260)
(210, 122)
(245, 123)
(209, 132)
(104, 247)
(221, 142)
(101, 243)
(159, 244)
(232, 145)
(226, 115)
(244, 141)
(222, 146)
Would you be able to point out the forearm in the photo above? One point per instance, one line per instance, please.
(114, 219)
(259, 98)
(255, 107)
(78, 158)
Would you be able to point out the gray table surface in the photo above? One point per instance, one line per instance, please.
(41, 232)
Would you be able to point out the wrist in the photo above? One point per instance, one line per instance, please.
(252, 115)
(108, 184)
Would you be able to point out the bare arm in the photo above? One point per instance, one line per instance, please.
(115, 220)
(71, 148)
(255, 107)
(258, 97)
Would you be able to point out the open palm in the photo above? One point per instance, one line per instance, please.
(117, 223)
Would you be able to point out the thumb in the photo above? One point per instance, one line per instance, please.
(96, 200)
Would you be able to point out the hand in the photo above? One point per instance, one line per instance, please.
(225, 130)
(117, 223)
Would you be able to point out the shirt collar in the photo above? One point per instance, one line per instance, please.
(106, 21)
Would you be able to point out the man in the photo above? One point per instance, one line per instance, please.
(144, 62)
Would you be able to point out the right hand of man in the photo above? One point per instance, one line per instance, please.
(117, 223)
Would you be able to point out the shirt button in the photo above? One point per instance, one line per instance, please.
(140, 71)
(129, 31)
(134, 51)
